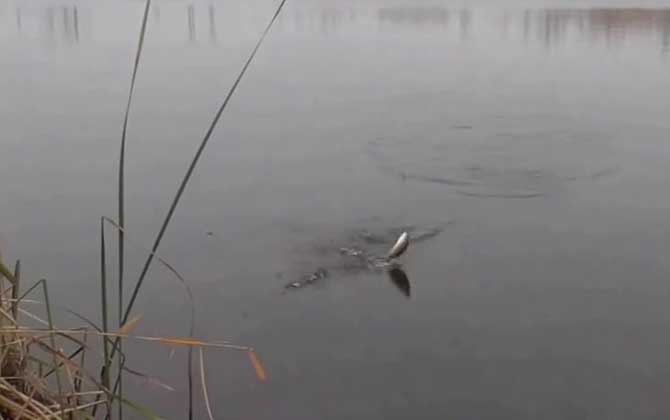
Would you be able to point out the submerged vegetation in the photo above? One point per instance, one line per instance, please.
(49, 372)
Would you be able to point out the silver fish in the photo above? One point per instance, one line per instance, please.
(400, 246)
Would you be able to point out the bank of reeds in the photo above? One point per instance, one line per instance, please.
(46, 370)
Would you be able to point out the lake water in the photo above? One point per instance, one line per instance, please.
(533, 134)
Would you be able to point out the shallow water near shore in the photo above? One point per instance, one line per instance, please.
(532, 134)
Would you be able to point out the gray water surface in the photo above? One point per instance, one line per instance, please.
(533, 133)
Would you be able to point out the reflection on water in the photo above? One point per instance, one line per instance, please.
(550, 27)
(400, 280)
(212, 23)
(414, 15)
(18, 20)
(195, 14)
(57, 24)
(553, 26)
(191, 23)
(464, 21)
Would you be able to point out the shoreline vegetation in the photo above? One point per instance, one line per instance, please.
(47, 372)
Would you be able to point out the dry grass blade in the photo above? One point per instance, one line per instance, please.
(15, 289)
(22, 395)
(7, 316)
(76, 368)
(129, 326)
(52, 337)
(26, 404)
(179, 341)
(59, 356)
(205, 393)
(185, 284)
(82, 350)
(72, 404)
(35, 400)
(12, 406)
(258, 367)
(4, 272)
(149, 379)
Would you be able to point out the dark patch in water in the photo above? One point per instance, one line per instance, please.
(400, 280)
(595, 176)
(438, 180)
(423, 178)
(309, 279)
(362, 252)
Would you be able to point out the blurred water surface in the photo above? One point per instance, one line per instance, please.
(534, 134)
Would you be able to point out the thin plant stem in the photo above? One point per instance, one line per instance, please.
(194, 163)
(182, 187)
(121, 184)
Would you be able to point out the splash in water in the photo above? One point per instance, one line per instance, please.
(364, 252)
